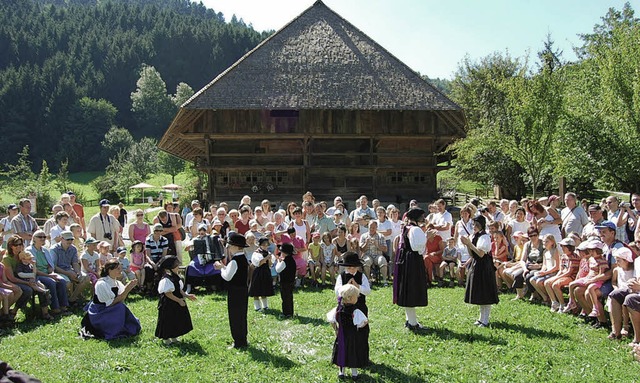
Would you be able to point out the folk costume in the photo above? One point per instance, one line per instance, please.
(410, 277)
(235, 273)
(287, 271)
(107, 321)
(351, 347)
(174, 320)
(481, 281)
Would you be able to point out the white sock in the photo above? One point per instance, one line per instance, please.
(264, 302)
(485, 311)
(410, 314)
(354, 372)
(256, 303)
(341, 370)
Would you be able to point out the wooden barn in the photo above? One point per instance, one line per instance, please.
(317, 106)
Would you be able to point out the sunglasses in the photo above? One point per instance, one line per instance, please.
(40, 236)
(139, 215)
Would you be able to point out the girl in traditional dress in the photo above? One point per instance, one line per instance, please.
(351, 347)
(410, 276)
(261, 284)
(174, 319)
(481, 280)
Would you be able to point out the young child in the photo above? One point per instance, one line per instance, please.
(90, 260)
(449, 260)
(569, 266)
(314, 263)
(299, 257)
(261, 286)
(583, 271)
(286, 267)
(329, 255)
(103, 251)
(138, 260)
(622, 275)
(78, 241)
(25, 270)
(174, 319)
(499, 251)
(598, 266)
(351, 347)
(127, 274)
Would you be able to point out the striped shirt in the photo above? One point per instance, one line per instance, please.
(155, 248)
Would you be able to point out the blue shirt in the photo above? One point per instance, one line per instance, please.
(65, 259)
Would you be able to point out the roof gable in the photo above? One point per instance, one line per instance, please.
(319, 61)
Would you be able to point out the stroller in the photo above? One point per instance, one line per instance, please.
(200, 271)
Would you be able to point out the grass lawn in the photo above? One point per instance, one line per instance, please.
(526, 343)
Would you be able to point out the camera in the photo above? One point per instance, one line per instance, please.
(108, 236)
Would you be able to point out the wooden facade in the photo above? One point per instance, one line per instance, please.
(317, 106)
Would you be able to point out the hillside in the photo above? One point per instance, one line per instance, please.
(59, 57)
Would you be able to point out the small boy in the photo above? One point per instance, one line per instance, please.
(25, 270)
(449, 260)
(127, 274)
(90, 260)
(314, 258)
(78, 241)
(286, 267)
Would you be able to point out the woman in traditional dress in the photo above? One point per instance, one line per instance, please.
(174, 319)
(107, 316)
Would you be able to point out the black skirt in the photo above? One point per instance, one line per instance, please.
(261, 282)
(351, 347)
(481, 281)
(411, 280)
(173, 320)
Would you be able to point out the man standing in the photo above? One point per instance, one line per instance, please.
(104, 226)
(618, 217)
(373, 246)
(24, 224)
(362, 211)
(443, 221)
(324, 224)
(79, 209)
(235, 273)
(573, 216)
(336, 201)
(187, 220)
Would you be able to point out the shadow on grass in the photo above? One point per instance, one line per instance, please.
(386, 373)
(470, 337)
(190, 347)
(267, 358)
(529, 332)
(120, 342)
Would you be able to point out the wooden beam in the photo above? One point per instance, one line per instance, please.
(189, 136)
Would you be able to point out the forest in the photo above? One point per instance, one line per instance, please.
(68, 69)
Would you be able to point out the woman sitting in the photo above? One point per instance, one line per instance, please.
(107, 316)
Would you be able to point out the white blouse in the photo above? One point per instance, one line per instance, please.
(365, 288)
(417, 239)
(166, 286)
(359, 319)
(484, 243)
(103, 289)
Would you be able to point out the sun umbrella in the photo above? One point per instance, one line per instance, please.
(171, 187)
(142, 186)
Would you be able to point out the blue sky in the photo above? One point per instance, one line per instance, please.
(432, 37)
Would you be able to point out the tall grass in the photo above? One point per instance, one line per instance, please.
(525, 343)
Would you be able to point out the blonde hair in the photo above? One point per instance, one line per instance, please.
(25, 255)
(348, 291)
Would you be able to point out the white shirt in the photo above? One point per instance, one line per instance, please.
(365, 288)
(228, 271)
(441, 219)
(359, 319)
(103, 289)
(166, 286)
(484, 243)
(417, 239)
(384, 226)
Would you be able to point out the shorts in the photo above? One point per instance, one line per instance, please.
(536, 278)
(562, 282)
(311, 262)
(328, 261)
(619, 295)
(581, 282)
(135, 268)
(378, 260)
(632, 302)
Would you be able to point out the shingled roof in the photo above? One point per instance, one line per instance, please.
(320, 61)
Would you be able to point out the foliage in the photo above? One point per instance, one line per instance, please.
(117, 140)
(170, 164)
(62, 61)
(183, 93)
(62, 179)
(525, 343)
(603, 104)
(19, 179)
(152, 108)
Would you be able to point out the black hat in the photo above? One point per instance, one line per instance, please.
(415, 213)
(481, 220)
(287, 248)
(236, 239)
(263, 240)
(350, 258)
(167, 262)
